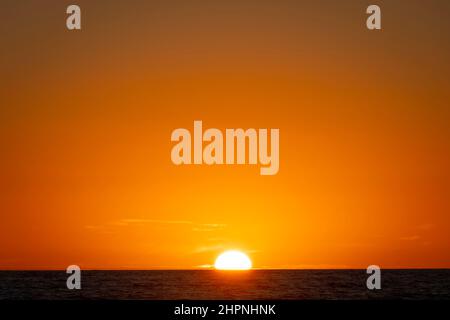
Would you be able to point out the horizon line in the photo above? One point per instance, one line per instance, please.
(213, 269)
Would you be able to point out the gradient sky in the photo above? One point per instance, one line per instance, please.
(86, 118)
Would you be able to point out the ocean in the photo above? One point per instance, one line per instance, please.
(223, 285)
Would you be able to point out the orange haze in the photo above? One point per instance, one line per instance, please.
(86, 118)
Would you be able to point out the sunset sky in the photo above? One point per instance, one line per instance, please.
(86, 118)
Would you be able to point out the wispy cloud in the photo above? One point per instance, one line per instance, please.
(205, 227)
(425, 226)
(203, 249)
(420, 233)
(141, 222)
(205, 266)
(307, 266)
(153, 221)
(410, 238)
(220, 247)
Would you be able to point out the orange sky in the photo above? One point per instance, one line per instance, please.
(86, 118)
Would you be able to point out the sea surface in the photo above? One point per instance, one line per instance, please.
(212, 285)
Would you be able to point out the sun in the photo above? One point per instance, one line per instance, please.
(233, 260)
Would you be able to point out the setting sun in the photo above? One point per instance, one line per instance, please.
(233, 260)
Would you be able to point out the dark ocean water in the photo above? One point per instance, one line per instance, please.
(255, 284)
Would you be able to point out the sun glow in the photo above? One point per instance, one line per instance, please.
(233, 260)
